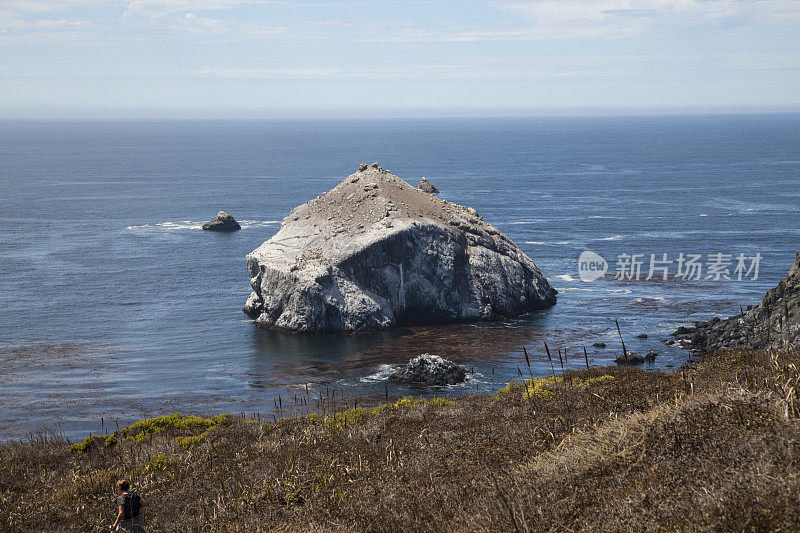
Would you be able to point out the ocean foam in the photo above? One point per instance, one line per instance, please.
(523, 222)
(383, 373)
(193, 225)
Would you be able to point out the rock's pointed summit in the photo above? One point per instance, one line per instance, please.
(376, 252)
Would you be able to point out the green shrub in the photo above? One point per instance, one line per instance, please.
(543, 387)
(93, 441)
(144, 429)
(358, 415)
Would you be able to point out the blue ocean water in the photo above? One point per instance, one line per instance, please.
(116, 306)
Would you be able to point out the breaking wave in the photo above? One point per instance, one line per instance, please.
(383, 373)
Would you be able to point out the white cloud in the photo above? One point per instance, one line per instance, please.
(27, 16)
(156, 9)
(250, 21)
(377, 72)
(535, 20)
(532, 67)
(588, 18)
(61, 23)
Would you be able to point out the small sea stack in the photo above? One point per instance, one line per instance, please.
(375, 252)
(772, 322)
(428, 369)
(224, 223)
(427, 186)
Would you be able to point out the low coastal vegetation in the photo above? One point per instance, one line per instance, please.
(712, 446)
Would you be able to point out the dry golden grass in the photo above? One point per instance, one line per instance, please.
(607, 449)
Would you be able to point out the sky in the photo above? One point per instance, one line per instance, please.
(260, 59)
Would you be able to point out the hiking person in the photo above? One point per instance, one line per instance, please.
(129, 503)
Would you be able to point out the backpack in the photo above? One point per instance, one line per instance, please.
(132, 505)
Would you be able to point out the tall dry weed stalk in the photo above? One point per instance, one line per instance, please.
(785, 382)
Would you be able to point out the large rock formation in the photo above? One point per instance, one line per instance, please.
(223, 223)
(773, 322)
(375, 252)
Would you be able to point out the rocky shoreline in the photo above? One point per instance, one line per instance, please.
(771, 322)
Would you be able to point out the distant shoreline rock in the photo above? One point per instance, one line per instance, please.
(224, 223)
(428, 369)
(376, 252)
(772, 322)
(635, 358)
(630, 358)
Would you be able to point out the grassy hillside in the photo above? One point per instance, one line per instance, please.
(716, 446)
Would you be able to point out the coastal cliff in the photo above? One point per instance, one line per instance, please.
(376, 252)
(772, 322)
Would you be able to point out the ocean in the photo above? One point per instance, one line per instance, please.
(116, 306)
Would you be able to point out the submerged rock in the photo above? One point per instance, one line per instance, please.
(427, 186)
(375, 252)
(773, 322)
(428, 369)
(631, 358)
(223, 223)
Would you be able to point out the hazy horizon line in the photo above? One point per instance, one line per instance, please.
(391, 113)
